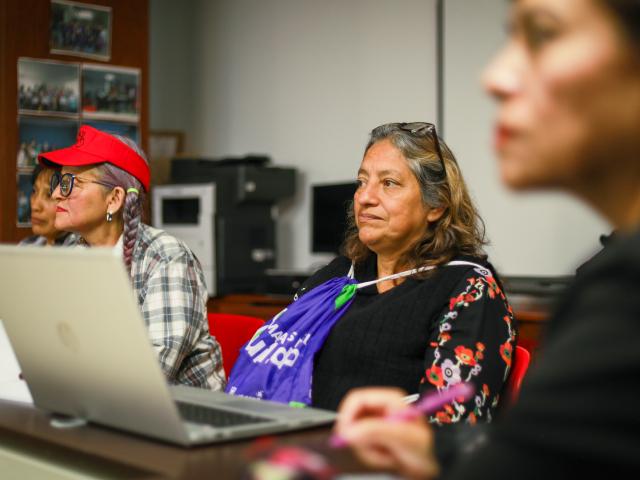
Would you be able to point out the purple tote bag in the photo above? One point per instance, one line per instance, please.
(277, 363)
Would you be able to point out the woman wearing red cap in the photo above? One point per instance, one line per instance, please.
(99, 192)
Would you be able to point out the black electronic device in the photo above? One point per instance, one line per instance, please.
(330, 204)
(246, 189)
(285, 282)
(240, 182)
(548, 287)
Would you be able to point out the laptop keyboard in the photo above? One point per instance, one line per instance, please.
(215, 417)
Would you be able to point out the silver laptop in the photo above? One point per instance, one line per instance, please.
(82, 344)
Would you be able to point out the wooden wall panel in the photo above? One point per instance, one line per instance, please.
(24, 32)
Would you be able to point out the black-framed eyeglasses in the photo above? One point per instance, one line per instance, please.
(67, 180)
(425, 128)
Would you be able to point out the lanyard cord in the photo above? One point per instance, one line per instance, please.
(349, 290)
(479, 268)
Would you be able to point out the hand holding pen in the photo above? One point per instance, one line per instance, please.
(428, 404)
(386, 433)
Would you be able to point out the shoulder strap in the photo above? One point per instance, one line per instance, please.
(481, 269)
(352, 271)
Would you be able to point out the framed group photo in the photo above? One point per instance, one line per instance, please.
(39, 135)
(80, 29)
(110, 93)
(48, 87)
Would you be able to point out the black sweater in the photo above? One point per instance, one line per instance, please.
(392, 338)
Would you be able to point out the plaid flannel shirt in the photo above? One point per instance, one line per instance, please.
(170, 288)
(64, 240)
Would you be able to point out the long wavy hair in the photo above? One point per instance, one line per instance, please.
(459, 231)
(132, 210)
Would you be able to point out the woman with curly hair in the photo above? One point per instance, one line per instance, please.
(434, 314)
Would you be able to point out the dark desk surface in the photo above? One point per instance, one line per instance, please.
(113, 453)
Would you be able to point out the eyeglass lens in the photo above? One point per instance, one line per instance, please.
(65, 181)
(66, 184)
(53, 183)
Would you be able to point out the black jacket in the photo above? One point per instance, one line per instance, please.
(578, 408)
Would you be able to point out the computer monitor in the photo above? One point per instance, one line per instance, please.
(329, 215)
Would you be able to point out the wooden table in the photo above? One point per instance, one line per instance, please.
(31, 448)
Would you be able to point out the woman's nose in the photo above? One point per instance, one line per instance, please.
(56, 195)
(36, 204)
(502, 76)
(366, 194)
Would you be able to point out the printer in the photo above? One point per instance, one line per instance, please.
(223, 210)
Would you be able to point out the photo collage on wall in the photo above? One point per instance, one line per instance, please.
(56, 97)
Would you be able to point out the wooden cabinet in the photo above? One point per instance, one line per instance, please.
(253, 305)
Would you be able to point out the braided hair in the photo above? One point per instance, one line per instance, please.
(134, 199)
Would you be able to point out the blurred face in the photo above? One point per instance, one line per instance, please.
(43, 207)
(389, 210)
(568, 88)
(85, 209)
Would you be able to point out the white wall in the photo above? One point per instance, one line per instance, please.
(532, 234)
(304, 81)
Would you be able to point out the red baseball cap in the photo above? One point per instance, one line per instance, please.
(93, 146)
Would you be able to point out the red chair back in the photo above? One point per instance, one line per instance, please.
(232, 332)
(521, 360)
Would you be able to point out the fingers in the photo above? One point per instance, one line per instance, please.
(374, 457)
(419, 461)
(404, 447)
(368, 402)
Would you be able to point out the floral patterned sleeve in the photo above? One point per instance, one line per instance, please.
(473, 342)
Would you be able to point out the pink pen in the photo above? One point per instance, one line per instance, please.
(426, 405)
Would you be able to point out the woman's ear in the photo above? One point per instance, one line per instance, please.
(115, 200)
(434, 214)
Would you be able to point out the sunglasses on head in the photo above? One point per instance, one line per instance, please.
(422, 129)
(66, 182)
